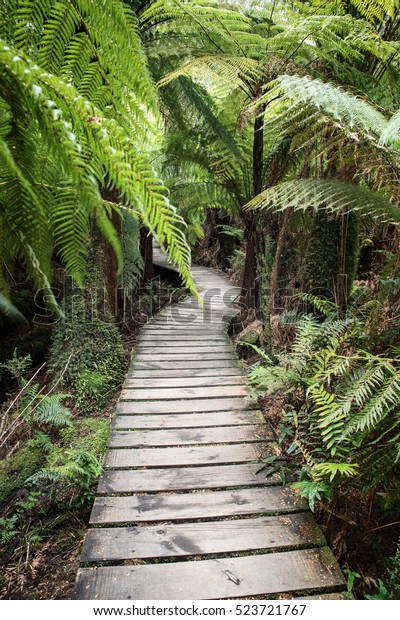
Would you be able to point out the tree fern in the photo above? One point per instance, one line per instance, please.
(330, 195)
(391, 134)
(352, 111)
(229, 71)
(30, 92)
(376, 9)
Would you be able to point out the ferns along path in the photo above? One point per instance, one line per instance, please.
(182, 510)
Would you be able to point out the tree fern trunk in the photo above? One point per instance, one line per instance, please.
(278, 253)
(146, 250)
(332, 257)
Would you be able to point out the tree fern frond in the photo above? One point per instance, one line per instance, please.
(63, 20)
(8, 309)
(391, 134)
(231, 71)
(330, 195)
(87, 148)
(328, 98)
(376, 9)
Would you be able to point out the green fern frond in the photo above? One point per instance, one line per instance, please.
(330, 195)
(391, 134)
(324, 306)
(51, 411)
(354, 112)
(379, 405)
(11, 313)
(376, 9)
(86, 138)
(230, 71)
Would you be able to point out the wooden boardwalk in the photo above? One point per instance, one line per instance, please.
(181, 512)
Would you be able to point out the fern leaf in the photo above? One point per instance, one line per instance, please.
(330, 195)
(391, 134)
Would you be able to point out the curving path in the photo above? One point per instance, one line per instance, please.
(181, 512)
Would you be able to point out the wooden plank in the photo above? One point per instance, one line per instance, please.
(194, 323)
(245, 576)
(183, 406)
(160, 327)
(185, 357)
(183, 478)
(183, 436)
(176, 382)
(185, 539)
(170, 372)
(188, 365)
(184, 347)
(149, 340)
(190, 455)
(197, 505)
(190, 420)
(177, 393)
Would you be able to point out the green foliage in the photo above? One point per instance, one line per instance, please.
(18, 524)
(389, 589)
(17, 365)
(133, 262)
(328, 195)
(70, 95)
(18, 467)
(50, 410)
(73, 463)
(78, 470)
(345, 401)
(87, 348)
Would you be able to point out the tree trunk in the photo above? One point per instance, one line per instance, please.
(248, 295)
(146, 250)
(110, 262)
(253, 231)
(256, 278)
(277, 260)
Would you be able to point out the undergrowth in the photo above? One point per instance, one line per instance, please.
(339, 417)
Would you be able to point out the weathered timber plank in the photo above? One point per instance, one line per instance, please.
(210, 366)
(183, 478)
(245, 576)
(183, 539)
(183, 406)
(185, 357)
(190, 455)
(203, 505)
(181, 437)
(183, 382)
(176, 393)
(183, 348)
(190, 420)
(148, 340)
(171, 373)
(160, 327)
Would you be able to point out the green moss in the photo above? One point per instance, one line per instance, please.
(250, 337)
(90, 435)
(16, 469)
